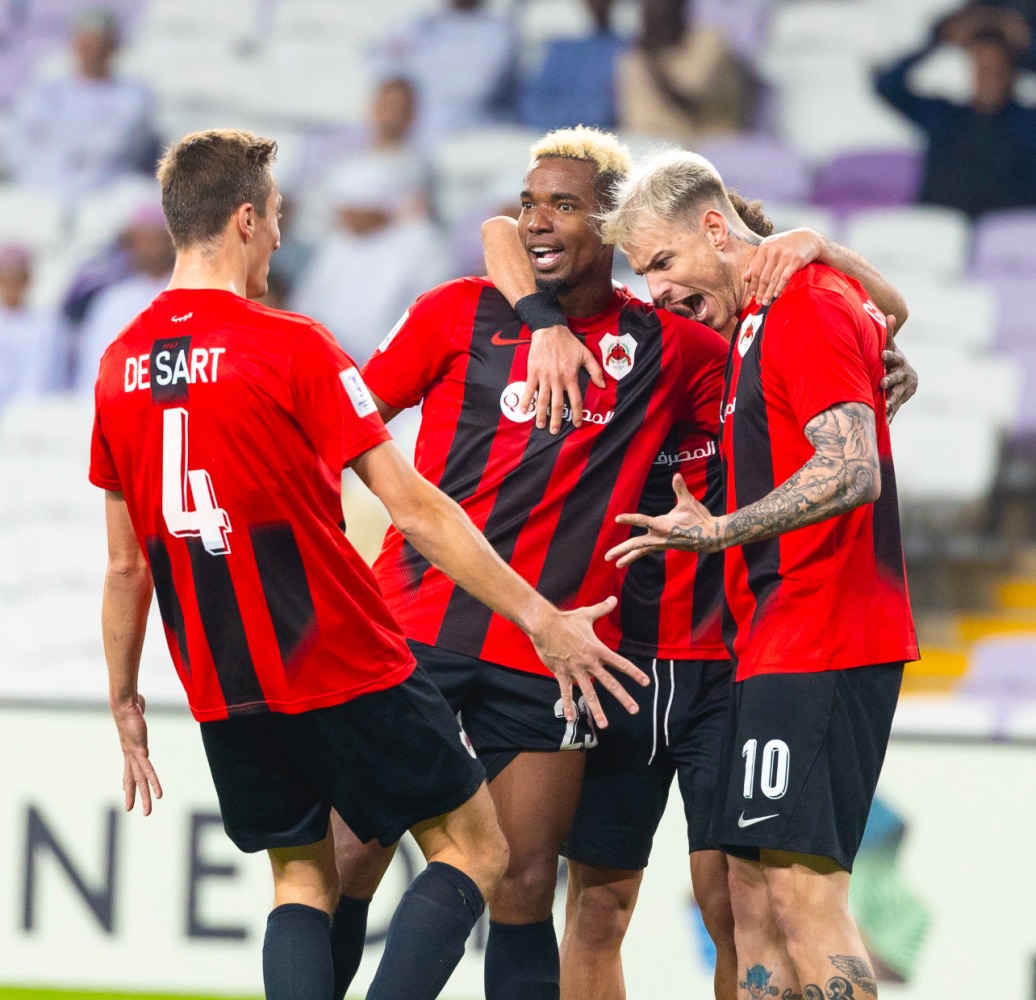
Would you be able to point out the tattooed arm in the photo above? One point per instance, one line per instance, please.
(843, 473)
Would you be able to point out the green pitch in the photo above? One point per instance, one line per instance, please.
(38, 994)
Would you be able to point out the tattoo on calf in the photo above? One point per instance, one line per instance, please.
(839, 988)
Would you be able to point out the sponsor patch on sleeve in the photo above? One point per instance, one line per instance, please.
(359, 394)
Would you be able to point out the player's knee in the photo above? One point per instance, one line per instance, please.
(716, 913)
(361, 867)
(528, 885)
(601, 915)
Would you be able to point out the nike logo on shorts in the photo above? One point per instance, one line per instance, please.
(742, 822)
(501, 341)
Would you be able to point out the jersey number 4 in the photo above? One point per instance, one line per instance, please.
(182, 484)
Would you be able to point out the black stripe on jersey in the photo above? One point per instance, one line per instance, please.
(582, 516)
(225, 631)
(708, 573)
(753, 466)
(469, 452)
(888, 542)
(285, 587)
(639, 607)
(168, 602)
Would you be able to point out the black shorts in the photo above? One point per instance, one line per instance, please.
(678, 730)
(385, 761)
(505, 712)
(801, 761)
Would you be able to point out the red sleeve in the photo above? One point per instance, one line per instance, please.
(331, 403)
(814, 344)
(419, 349)
(704, 356)
(102, 466)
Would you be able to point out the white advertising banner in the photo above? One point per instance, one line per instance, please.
(92, 897)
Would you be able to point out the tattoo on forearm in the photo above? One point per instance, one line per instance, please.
(840, 476)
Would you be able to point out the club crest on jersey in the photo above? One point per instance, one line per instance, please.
(749, 329)
(617, 354)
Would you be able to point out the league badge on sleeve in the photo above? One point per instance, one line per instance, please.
(617, 354)
(359, 394)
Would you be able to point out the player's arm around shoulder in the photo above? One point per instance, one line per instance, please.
(440, 530)
(124, 609)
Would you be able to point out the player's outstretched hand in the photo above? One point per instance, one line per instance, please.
(688, 526)
(138, 775)
(570, 648)
(900, 381)
(555, 357)
(777, 258)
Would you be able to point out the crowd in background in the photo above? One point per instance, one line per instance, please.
(366, 229)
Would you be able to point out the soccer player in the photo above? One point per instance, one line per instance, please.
(815, 577)
(220, 434)
(545, 502)
(668, 623)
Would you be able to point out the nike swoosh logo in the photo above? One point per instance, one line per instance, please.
(742, 822)
(505, 342)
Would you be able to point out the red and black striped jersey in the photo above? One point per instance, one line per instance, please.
(226, 426)
(671, 602)
(834, 594)
(547, 503)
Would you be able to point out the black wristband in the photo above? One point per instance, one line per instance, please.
(540, 310)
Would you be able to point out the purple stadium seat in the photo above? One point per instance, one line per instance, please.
(868, 179)
(17, 62)
(1005, 244)
(1016, 310)
(743, 21)
(1002, 668)
(759, 166)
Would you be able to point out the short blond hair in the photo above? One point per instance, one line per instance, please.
(609, 157)
(666, 186)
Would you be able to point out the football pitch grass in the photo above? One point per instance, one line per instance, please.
(28, 993)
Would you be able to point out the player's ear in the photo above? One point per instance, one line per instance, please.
(244, 220)
(714, 226)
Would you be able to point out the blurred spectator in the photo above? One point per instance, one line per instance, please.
(982, 155)
(683, 81)
(575, 83)
(463, 63)
(79, 132)
(1014, 19)
(380, 255)
(150, 257)
(31, 342)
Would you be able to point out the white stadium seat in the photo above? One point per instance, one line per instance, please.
(925, 240)
(951, 315)
(32, 217)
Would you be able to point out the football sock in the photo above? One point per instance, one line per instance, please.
(427, 934)
(522, 962)
(297, 954)
(348, 933)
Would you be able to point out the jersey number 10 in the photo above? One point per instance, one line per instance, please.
(181, 484)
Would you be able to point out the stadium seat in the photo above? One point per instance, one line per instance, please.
(947, 459)
(759, 166)
(48, 425)
(951, 315)
(1016, 311)
(744, 22)
(467, 163)
(799, 216)
(868, 179)
(803, 27)
(1005, 245)
(924, 240)
(228, 19)
(924, 715)
(101, 215)
(990, 385)
(32, 217)
(1025, 419)
(1002, 672)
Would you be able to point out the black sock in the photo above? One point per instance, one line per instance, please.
(522, 962)
(427, 934)
(348, 933)
(297, 954)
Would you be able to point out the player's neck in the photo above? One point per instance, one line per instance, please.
(201, 269)
(588, 298)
